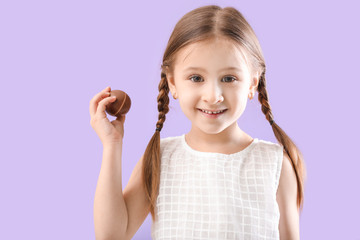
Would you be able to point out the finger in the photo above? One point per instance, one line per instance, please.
(121, 118)
(98, 97)
(102, 105)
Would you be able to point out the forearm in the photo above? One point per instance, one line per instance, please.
(110, 213)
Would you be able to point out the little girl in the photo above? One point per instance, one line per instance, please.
(216, 181)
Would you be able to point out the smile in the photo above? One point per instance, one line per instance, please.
(212, 112)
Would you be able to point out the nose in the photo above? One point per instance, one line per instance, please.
(212, 93)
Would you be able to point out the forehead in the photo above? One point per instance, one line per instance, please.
(218, 53)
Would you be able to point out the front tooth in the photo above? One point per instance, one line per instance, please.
(209, 112)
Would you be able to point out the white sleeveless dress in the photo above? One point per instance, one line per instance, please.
(206, 195)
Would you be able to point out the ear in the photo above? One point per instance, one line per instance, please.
(254, 83)
(171, 83)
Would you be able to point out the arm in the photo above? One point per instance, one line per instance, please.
(118, 214)
(110, 213)
(286, 197)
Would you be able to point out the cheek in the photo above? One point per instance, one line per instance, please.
(237, 100)
(188, 102)
(236, 96)
(187, 94)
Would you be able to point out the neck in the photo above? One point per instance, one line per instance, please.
(232, 134)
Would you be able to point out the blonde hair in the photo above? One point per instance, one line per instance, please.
(200, 24)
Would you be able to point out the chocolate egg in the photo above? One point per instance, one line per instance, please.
(120, 106)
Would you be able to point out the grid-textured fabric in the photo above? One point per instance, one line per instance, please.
(206, 195)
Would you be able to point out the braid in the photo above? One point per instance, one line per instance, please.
(163, 101)
(290, 147)
(152, 158)
(263, 99)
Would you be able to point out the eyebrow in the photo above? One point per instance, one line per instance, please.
(198, 68)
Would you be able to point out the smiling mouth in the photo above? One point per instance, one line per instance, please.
(212, 112)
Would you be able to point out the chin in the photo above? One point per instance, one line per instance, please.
(212, 131)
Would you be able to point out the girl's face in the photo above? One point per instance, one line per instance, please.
(214, 76)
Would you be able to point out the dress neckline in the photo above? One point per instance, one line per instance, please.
(224, 155)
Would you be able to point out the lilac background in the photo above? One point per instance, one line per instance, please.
(56, 55)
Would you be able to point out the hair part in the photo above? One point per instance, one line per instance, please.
(202, 24)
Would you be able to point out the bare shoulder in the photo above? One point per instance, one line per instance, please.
(286, 197)
(138, 206)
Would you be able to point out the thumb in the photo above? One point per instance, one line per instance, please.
(121, 118)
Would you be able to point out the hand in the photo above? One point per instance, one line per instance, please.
(108, 132)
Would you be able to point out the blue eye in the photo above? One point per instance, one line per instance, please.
(234, 79)
(193, 76)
